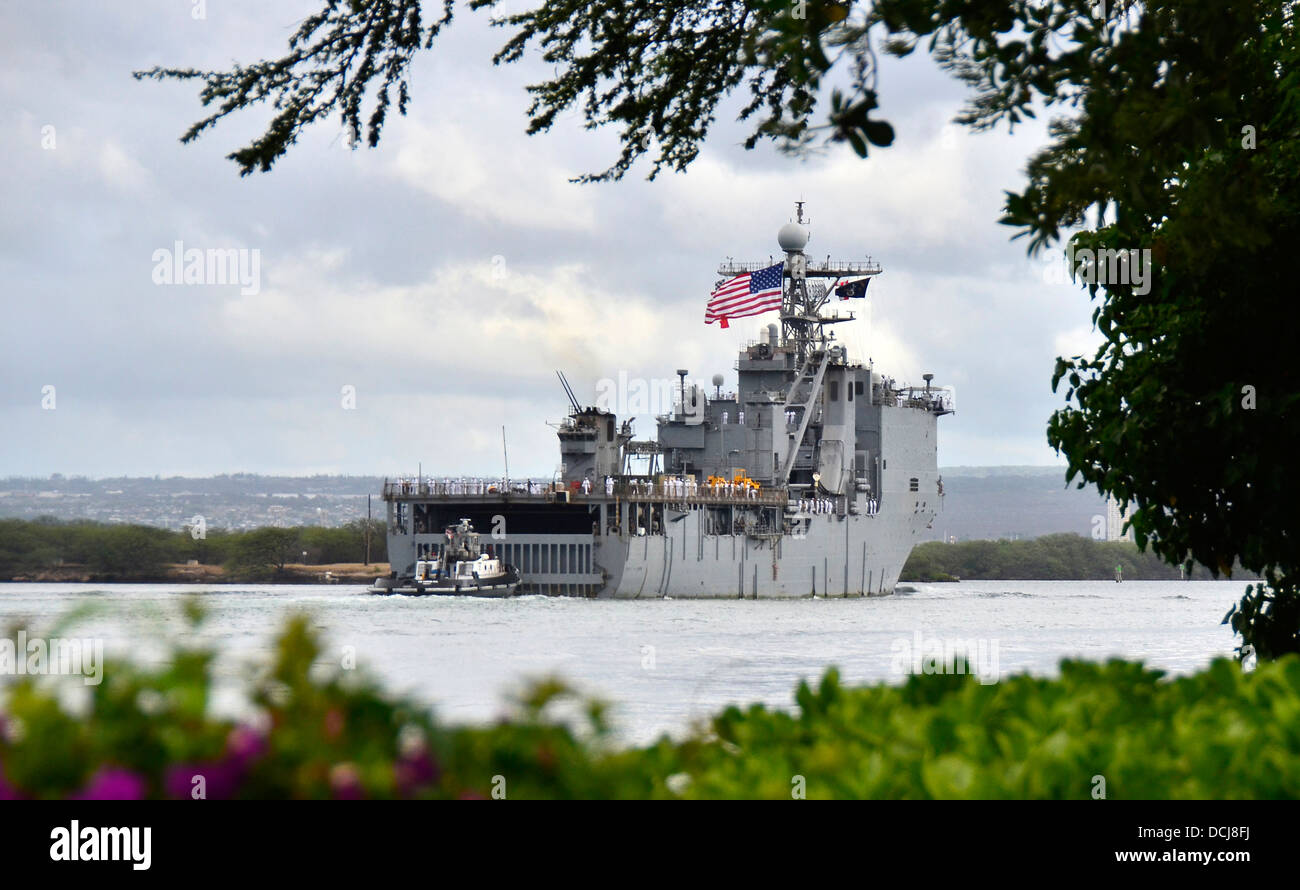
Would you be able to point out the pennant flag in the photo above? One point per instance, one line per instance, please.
(749, 294)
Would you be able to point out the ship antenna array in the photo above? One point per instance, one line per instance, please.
(568, 391)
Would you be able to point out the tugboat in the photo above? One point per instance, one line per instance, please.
(461, 568)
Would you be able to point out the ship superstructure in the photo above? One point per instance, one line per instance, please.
(815, 477)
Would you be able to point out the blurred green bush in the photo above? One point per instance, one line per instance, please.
(326, 732)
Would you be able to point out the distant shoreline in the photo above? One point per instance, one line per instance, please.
(1057, 557)
(336, 573)
(99, 553)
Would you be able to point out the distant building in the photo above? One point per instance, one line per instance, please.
(1115, 521)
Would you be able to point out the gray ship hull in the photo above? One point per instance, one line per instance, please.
(592, 545)
(831, 555)
(838, 556)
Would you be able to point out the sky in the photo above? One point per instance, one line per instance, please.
(413, 299)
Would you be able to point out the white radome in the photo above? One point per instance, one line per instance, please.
(792, 236)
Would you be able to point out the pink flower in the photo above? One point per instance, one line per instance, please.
(7, 791)
(221, 780)
(245, 745)
(345, 782)
(113, 783)
(333, 723)
(416, 770)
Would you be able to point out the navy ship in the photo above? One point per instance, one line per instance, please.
(814, 478)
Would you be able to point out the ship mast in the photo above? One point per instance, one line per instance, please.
(804, 314)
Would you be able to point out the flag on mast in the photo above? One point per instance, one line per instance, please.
(751, 293)
(851, 289)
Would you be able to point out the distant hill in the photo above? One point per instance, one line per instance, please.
(1013, 502)
(1058, 557)
(238, 501)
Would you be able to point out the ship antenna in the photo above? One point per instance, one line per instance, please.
(568, 391)
(804, 316)
(505, 454)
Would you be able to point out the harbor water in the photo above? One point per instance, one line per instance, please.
(663, 664)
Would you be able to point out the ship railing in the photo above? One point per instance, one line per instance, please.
(699, 494)
(460, 487)
(941, 400)
(646, 491)
(813, 267)
(844, 267)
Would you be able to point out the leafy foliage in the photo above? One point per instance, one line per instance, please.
(351, 53)
(1187, 412)
(1183, 145)
(655, 69)
(1268, 619)
(322, 732)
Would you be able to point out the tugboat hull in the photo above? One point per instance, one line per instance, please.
(502, 586)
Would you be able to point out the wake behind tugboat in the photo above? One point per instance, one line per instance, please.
(460, 569)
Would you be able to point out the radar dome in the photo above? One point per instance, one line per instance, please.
(792, 236)
(717, 379)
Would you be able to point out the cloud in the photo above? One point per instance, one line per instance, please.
(1082, 340)
(489, 317)
(119, 170)
(464, 164)
(382, 269)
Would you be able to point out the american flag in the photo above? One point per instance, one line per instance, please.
(749, 294)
